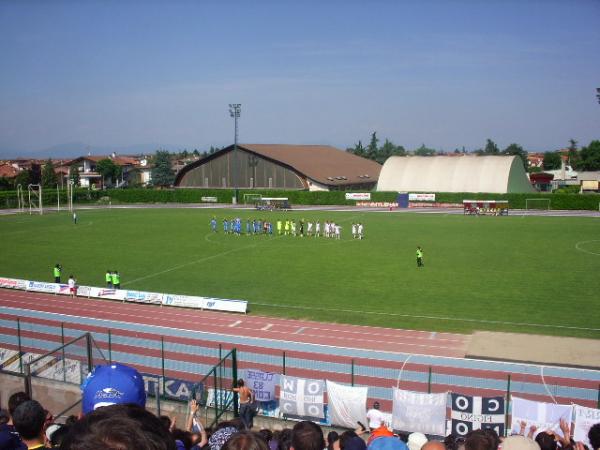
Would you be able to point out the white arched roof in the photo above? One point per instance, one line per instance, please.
(468, 173)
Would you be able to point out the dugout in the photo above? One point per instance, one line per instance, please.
(485, 207)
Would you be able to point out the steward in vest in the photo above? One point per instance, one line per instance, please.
(108, 278)
(56, 272)
(116, 280)
(419, 257)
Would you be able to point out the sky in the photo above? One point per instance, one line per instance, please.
(447, 73)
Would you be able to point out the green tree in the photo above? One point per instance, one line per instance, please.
(5, 184)
(590, 156)
(23, 178)
(49, 178)
(162, 173)
(491, 148)
(358, 149)
(424, 151)
(372, 147)
(109, 170)
(74, 176)
(574, 157)
(552, 161)
(516, 149)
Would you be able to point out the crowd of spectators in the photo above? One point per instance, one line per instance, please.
(114, 417)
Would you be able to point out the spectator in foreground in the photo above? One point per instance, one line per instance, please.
(9, 437)
(307, 435)
(245, 440)
(112, 384)
(119, 426)
(387, 443)
(375, 417)
(29, 418)
(517, 442)
(416, 441)
(434, 445)
(594, 436)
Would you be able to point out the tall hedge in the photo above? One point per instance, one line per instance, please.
(8, 199)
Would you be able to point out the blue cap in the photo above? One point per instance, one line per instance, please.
(112, 384)
(387, 443)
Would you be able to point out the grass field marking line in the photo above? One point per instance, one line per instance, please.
(416, 316)
(168, 331)
(584, 250)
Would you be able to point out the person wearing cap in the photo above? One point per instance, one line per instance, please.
(29, 419)
(112, 384)
(387, 443)
(375, 416)
(416, 441)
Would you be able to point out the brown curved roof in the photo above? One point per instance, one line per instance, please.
(322, 163)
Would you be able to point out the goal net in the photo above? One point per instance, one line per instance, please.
(537, 204)
(252, 199)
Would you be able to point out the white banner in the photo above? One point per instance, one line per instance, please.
(301, 397)
(347, 404)
(358, 196)
(113, 294)
(219, 304)
(62, 370)
(144, 297)
(418, 412)
(262, 384)
(584, 419)
(13, 283)
(184, 301)
(545, 416)
(84, 291)
(414, 197)
(41, 286)
(7, 356)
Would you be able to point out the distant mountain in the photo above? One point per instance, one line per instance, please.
(75, 149)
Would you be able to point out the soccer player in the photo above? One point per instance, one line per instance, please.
(338, 231)
(309, 229)
(360, 230)
(213, 224)
(74, 217)
(354, 231)
(248, 227)
(419, 257)
(56, 272)
(318, 229)
(293, 226)
(287, 227)
(72, 288)
(279, 225)
(225, 226)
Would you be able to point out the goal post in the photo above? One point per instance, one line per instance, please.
(537, 204)
(252, 199)
(35, 198)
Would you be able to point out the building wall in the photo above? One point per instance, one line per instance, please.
(252, 172)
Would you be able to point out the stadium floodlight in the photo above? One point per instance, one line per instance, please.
(235, 110)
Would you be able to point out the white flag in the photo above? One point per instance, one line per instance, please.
(301, 398)
(545, 416)
(415, 411)
(584, 419)
(347, 404)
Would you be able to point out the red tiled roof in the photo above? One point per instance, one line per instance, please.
(8, 171)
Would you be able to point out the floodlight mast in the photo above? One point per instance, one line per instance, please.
(235, 110)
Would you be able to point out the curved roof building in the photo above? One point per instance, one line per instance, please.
(279, 166)
(468, 173)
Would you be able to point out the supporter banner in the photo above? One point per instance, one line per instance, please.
(421, 197)
(584, 419)
(13, 283)
(358, 196)
(40, 286)
(470, 413)
(144, 297)
(262, 384)
(219, 396)
(173, 387)
(545, 416)
(113, 294)
(217, 304)
(7, 357)
(347, 404)
(418, 412)
(269, 409)
(301, 397)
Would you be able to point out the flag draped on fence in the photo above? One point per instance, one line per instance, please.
(545, 416)
(584, 419)
(347, 404)
(475, 413)
(262, 384)
(301, 397)
(415, 411)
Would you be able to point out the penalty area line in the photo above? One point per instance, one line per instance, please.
(417, 316)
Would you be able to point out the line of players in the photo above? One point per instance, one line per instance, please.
(287, 228)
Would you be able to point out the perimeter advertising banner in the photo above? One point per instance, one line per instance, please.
(417, 197)
(13, 283)
(358, 196)
(153, 298)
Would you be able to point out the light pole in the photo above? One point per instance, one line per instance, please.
(234, 111)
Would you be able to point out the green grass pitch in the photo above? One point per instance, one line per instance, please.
(521, 274)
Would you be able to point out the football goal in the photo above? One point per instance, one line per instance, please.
(252, 199)
(537, 204)
(35, 198)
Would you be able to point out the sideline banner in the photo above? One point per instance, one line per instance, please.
(419, 412)
(414, 197)
(153, 298)
(358, 196)
(41, 286)
(13, 283)
(215, 304)
(476, 413)
(113, 294)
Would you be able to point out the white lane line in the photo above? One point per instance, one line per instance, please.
(234, 324)
(432, 335)
(267, 327)
(299, 330)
